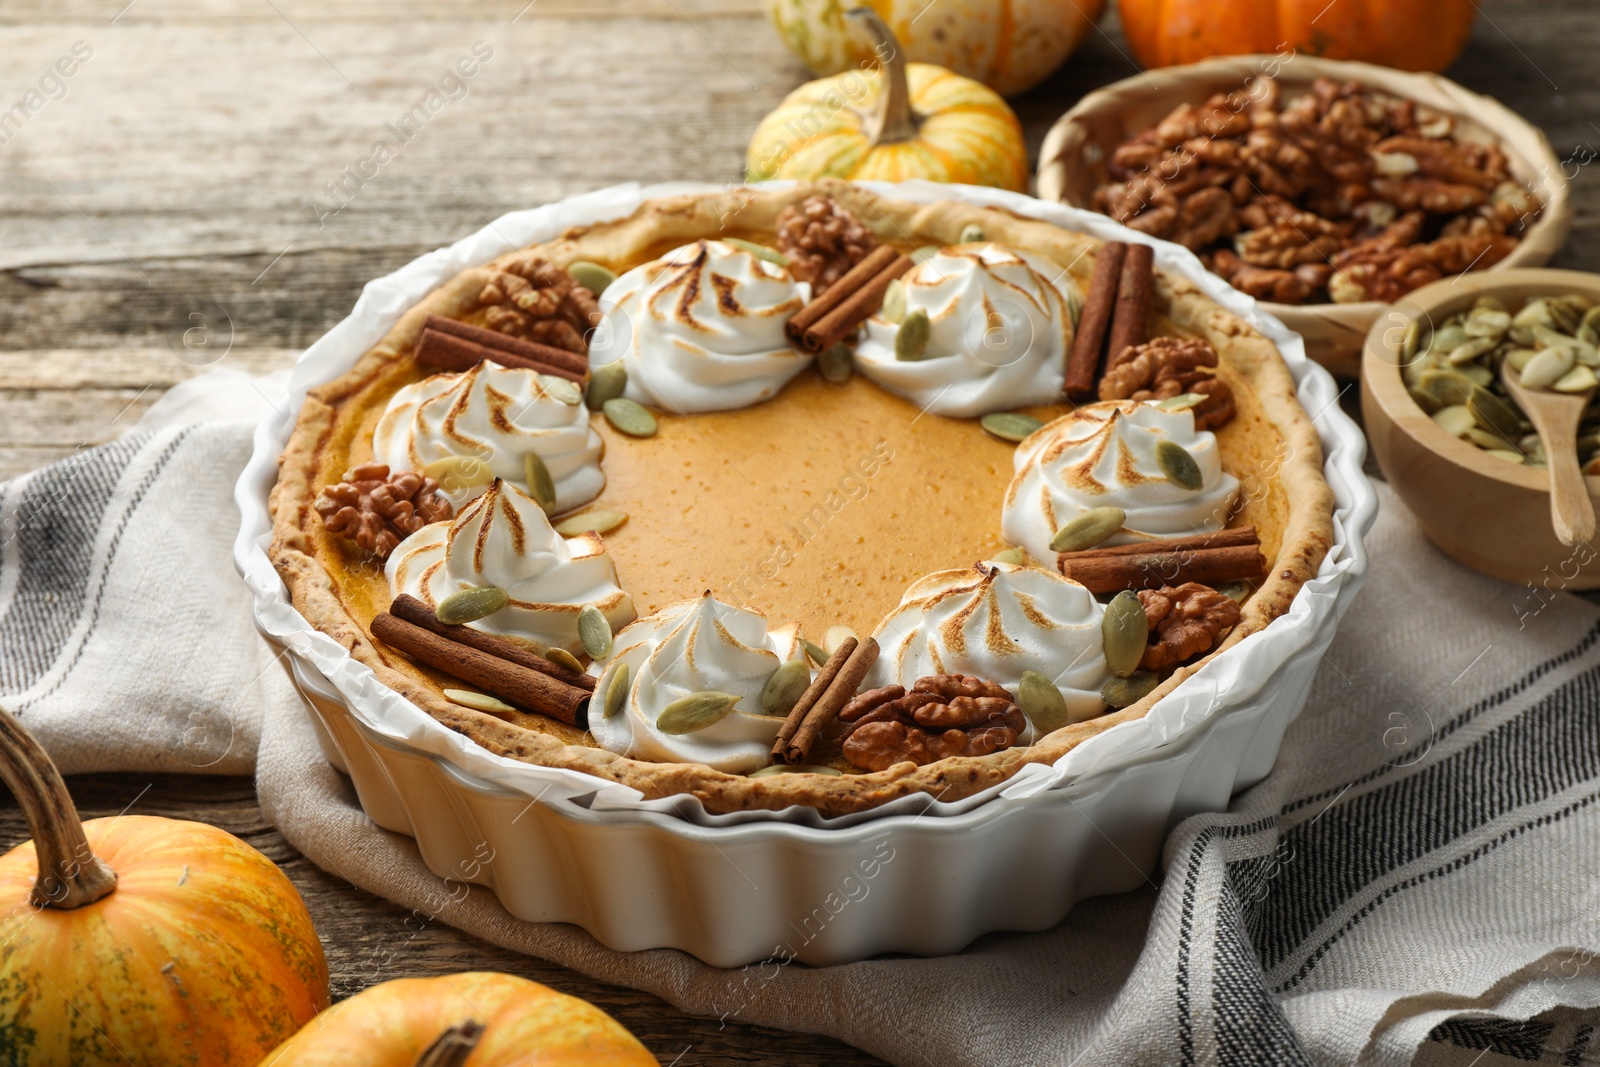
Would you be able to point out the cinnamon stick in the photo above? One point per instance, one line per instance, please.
(819, 685)
(1083, 362)
(1130, 323)
(408, 608)
(849, 302)
(457, 346)
(1238, 535)
(511, 682)
(828, 706)
(1208, 566)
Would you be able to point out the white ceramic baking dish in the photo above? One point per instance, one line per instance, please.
(917, 876)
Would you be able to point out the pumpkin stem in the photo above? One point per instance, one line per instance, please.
(70, 874)
(451, 1048)
(896, 121)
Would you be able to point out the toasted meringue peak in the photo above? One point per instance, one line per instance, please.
(691, 647)
(504, 539)
(1001, 326)
(498, 415)
(995, 621)
(1104, 455)
(702, 328)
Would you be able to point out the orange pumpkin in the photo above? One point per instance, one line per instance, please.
(496, 1020)
(142, 941)
(1405, 34)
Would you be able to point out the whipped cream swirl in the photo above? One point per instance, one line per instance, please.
(499, 415)
(692, 647)
(504, 539)
(1104, 455)
(1001, 326)
(996, 621)
(701, 328)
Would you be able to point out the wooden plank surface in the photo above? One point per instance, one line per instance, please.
(177, 208)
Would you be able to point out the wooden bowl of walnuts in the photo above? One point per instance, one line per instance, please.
(1324, 189)
(1454, 446)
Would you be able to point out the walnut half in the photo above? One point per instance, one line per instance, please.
(1167, 367)
(1185, 621)
(943, 715)
(378, 510)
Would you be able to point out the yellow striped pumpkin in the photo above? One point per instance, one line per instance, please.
(138, 941)
(1009, 45)
(892, 122)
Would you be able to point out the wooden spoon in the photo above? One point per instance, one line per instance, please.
(1555, 417)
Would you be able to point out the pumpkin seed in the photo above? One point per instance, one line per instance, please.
(1179, 465)
(1494, 414)
(1009, 425)
(469, 605)
(1041, 701)
(1126, 692)
(695, 712)
(1488, 302)
(1124, 633)
(771, 255)
(894, 303)
(1579, 379)
(1482, 438)
(1017, 557)
(562, 658)
(592, 276)
(478, 701)
(1456, 420)
(925, 253)
(1547, 367)
(1470, 350)
(1447, 386)
(1478, 374)
(1505, 454)
(814, 652)
(784, 687)
(794, 768)
(836, 636)
(628, 417)
(616, 691)
(454, 473)
(597, 521)
(1181, 402)
(1548, 338)
(1238, 591)
(606, 382)
(1487, 322)
(836, 364)
(911, 341)
(1088, 529)
(541, 486)
(595, 632)
(1447, 337)
(1409, 340)
(562, 389)
(970, 234)
(1518, 358)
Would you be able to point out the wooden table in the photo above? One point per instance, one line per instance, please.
(180, 204)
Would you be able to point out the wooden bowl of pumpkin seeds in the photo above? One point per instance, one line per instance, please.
(1450, 440)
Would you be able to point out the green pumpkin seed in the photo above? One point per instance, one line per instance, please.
(1017, 557)
(478, 701)
(784, 687)
(469, 605)
(814, 652)
(1477, 374)
(595, 632)
(1494, 414)
(1238, 592)
(562, 389)
(1089, 529)
(695, 712)
(1579, 379)
(911, 342)
(1124, 633)
(1483, 438)
(771, 255)
(1009, 425)
(1488, 303)
(454, 473)
(894, 303)
(1518, 358)
(1181, 402)
(606, 382)
(1426, 401)
(1487, 322)
(1505, 454)
(794, 768)
(628, 417)
(592, 276)
(1446, 386)
(541, 486)
(1041, 701)
(970, 234)
(1548, 367)
(1179, 465)
(1456, 420)
(1126, 692)
(925, 253)
(1409, 340)
(836, 364)
(616, 691)
(1470, 350)
(562, 658)
(598, 521)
